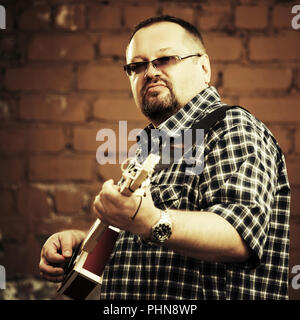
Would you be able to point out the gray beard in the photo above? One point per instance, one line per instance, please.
(158, 110)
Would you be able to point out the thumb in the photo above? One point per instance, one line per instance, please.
(66, 245)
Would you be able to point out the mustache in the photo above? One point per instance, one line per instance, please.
(150, 81)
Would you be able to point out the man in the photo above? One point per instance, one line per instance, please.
(225, 230)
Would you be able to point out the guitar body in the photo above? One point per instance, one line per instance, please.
(86, 272)
(85, 269)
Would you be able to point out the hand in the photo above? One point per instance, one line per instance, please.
(117, 210)
(56, 253)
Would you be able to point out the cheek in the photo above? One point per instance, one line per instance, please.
(186, 85)
(180, 86)
(136, 86)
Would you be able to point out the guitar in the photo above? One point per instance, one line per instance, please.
(84, 271)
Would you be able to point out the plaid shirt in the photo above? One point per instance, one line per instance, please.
(244, 180)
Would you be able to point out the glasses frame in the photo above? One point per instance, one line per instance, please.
(128, 67)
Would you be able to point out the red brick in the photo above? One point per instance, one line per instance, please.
(6, 203)
(57, 2)
(293, 169)
(282, 16)
(256, 78)
(31, 139)
(104, 17)
(295, 201)
(109, 171)
(47, 139)
(4, 110)
(114, 44)
(223, 48)
(87, 139)
(295, 237)
(84, 139)
(58, 108)
(60, 222)
(68, 201)
(230, 100)
(12, 170)
(54, 168)
(251, 17)
(70, 17)
(102, 78)
(11, 140)
(22, 258)
(212, 17)
(32, 203)
(117, 109)
(285, 110)
(216, 72)
(60, 47)
(297, 140)
(136, 14)
(8, 45)
(284, 47)
(14, 227)
(35, 18)
(57, 78)
(183, 12)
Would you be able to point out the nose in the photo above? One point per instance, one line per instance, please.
(151, 71)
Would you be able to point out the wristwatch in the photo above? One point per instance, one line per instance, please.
(162, 230)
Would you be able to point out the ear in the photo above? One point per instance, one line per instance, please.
(205, 63)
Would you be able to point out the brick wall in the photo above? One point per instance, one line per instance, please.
(61, 81)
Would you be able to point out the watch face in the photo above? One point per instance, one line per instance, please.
(162, 232)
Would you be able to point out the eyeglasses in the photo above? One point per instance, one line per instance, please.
(159, 63)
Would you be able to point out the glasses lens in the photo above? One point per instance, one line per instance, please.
(127, 69)
(164, 61)
(140, 67)
(136, 68)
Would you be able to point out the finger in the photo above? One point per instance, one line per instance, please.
(52, 278)
(51, 252)
(96, 211)
(49, 269)
(110, 183)
(109, 188)
(66, 244)
(97, 205)
(111, 193)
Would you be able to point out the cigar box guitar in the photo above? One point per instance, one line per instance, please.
(87, 264)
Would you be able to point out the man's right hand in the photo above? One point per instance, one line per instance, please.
(56, 253)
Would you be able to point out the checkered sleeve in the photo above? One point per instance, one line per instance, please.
(241, 170)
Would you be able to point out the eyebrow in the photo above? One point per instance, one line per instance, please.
(144, 58)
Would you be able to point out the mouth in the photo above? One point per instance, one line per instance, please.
(155, 86)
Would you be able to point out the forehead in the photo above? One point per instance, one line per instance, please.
(148, 41)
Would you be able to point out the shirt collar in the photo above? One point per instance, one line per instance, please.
(203, 103)
(197, 108)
